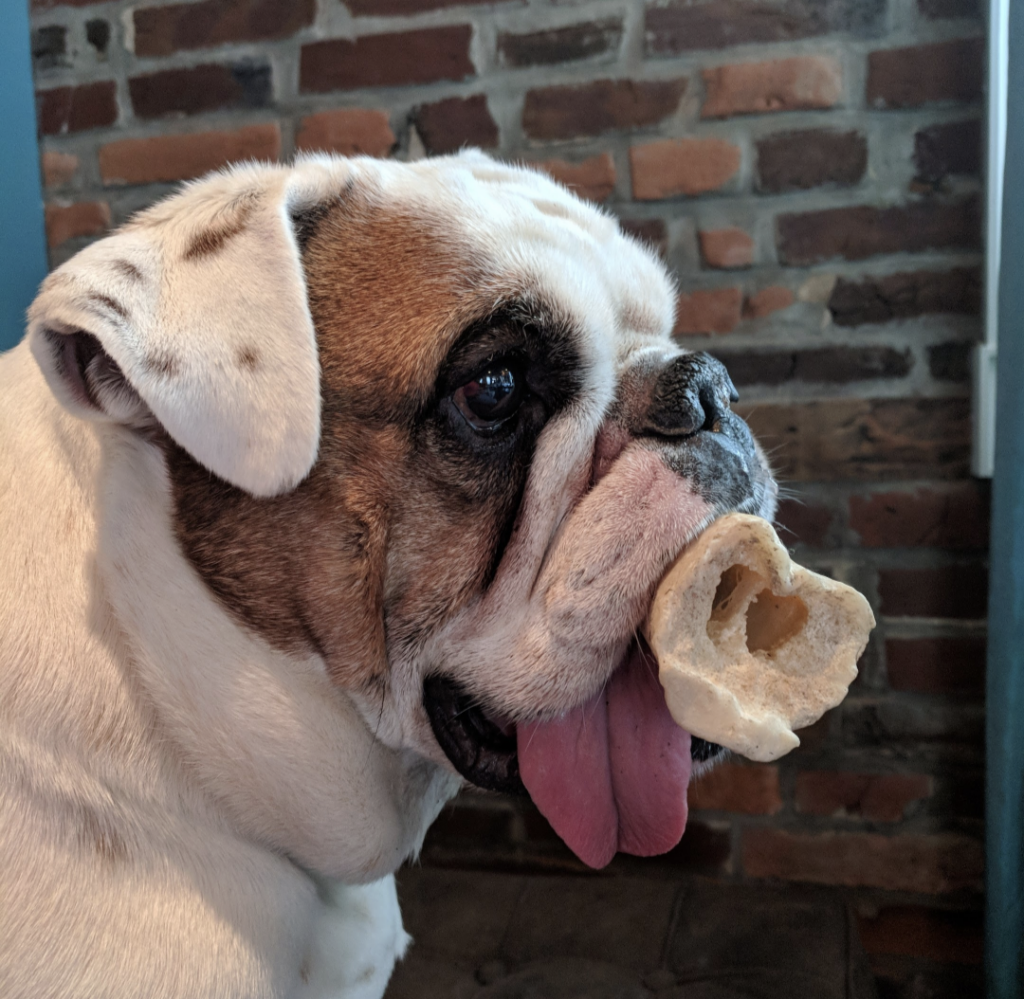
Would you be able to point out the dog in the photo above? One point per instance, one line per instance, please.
(326, 488)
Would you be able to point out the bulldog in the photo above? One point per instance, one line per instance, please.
(323, 489)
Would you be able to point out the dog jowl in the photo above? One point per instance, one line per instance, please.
(329, 487)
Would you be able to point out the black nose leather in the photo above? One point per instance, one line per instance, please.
(691, 394)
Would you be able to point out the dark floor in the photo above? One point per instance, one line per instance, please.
(528, 936)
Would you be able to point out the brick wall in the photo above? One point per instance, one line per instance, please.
(810, 170)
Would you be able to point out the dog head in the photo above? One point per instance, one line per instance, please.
(425, 425)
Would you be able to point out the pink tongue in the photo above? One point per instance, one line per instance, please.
(612, 774)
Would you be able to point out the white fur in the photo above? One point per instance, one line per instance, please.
(185, 810)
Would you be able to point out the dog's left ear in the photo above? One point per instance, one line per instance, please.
(195, 314)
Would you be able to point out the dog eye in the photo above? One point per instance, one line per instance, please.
(492, 397)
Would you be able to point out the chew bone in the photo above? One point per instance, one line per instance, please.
(750, 645)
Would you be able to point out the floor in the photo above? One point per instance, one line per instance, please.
(536, 936)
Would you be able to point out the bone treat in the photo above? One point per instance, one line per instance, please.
(751, 646)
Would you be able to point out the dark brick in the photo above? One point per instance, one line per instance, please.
(953, 517)
(470, 824)
(456, 122)
(704, 847)
(866, 439)
(936, 665)
(956, 591)
(395, 60)
(904, 727)
(653, 232)
(936, 9)
(863, 231)
(718, 24)
(905, 978)
(546, 48)
(799, 160)
(210, 87)
(159, 31)
(833, 365)
(900, 296)
(49, 47)
(803, 523)
(592, 108)
(75, 109)
(952, 148)
(945, 71)
(399, 8)
(97, 34)
(933, 934)
(950, 362)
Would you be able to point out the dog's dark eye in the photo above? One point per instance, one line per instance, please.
(492, 397)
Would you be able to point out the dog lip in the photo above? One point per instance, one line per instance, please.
(477, 747)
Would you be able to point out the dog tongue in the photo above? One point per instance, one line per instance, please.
(612, 774)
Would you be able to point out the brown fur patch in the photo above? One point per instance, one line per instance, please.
(248, 357)
(109, 303)
(209, 241)
(127, 269)
(163, 364)
(382, 541)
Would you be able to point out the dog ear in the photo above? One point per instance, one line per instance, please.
(194, 314)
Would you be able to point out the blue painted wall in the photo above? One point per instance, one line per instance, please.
(1005, 694)
(22, 242)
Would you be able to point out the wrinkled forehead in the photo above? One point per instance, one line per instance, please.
(533, 236)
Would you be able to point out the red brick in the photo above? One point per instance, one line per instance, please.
(876, 797)
(804, 82)
(910, 77)
(58, 168)
(394, 60)
(926, 864)
(558, 45)
(75, 109)
(348, 131)
(946, 937)
(879, 299)
(653, 232)
(711, 311)
(210, 87)
(719, 24)
(593, 178)
(448, 125)
(726, 248)
(766, 301)
(180, 157)
(682, 166)
(954, 591)
(160, 31)
(745, 790)
(863, 231)
(598, 106)
(950, 148)
(801, 522)
(790, 161)
(865, 439)
(954, 517)
(85, 218)
(936, 665)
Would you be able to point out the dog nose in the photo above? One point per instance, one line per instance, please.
(692, 393)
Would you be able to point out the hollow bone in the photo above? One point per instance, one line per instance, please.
(750, 645)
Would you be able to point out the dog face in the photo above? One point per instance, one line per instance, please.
(453, 446)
